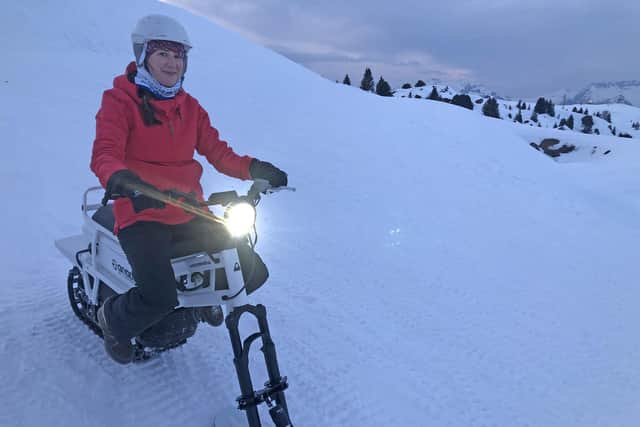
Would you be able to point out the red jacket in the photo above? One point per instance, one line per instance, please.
(161, 155)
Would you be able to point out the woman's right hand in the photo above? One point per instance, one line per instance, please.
(125, 183)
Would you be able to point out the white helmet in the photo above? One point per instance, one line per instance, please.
(157, 27)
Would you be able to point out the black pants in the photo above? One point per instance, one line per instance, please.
(149, 247)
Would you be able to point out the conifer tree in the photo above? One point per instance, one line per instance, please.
(420, 83)
(347, 80)
(367, 81)
(490, 108)
(541, 106)
(463, 101)
(434, 95)
(570, 121)
(383, 88)
(587, 124)
(518, 117)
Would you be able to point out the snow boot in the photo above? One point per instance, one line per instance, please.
(121, 352)
(213, 315)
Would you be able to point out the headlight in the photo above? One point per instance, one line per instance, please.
(197, 279)
(239, 219)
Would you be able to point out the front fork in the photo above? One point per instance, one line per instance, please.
(273, 393)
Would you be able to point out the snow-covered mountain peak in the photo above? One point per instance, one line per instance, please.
(620, 92)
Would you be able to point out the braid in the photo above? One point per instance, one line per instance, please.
(148, 114)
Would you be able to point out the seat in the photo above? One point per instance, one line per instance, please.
(180, 248)
(104, 217)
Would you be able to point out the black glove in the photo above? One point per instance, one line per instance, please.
(125, 183)
(265, 170)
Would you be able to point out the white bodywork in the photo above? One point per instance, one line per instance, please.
(107, 262)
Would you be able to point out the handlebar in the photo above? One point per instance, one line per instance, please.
(188, 201)
(259, 186)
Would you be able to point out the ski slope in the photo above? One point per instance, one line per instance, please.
(431, 270)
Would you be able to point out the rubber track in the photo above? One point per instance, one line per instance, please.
(141, 354)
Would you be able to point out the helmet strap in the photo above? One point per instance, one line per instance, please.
(143, 55)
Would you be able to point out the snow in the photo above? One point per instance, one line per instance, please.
(431, 269)
(622, 116)
(624, 92)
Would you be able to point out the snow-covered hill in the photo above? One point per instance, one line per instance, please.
(623, 117)
(431, 269)
(446, 90)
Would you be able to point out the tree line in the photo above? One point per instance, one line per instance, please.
(490, 106)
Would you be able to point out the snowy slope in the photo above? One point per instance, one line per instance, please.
(431, 269)
(622, 116)
(446, 90)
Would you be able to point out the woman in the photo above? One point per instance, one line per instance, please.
(147, 130)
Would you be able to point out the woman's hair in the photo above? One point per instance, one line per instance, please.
(146, 109)
(148, 113)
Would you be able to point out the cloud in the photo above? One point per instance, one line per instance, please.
(509, 45)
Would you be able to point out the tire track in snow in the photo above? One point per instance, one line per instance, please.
(188, 384)
(42, 342)
(325, 363)
(73, 379)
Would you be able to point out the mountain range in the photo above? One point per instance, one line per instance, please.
(621, 92)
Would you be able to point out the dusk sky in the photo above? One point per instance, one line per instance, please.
(515, 47)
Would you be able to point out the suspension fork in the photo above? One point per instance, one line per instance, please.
(273, 393)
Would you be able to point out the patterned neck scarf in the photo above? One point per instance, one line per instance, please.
(144, 79)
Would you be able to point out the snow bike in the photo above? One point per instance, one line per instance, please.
(203, 280)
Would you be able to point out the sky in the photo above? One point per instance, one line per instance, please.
(517, 48)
